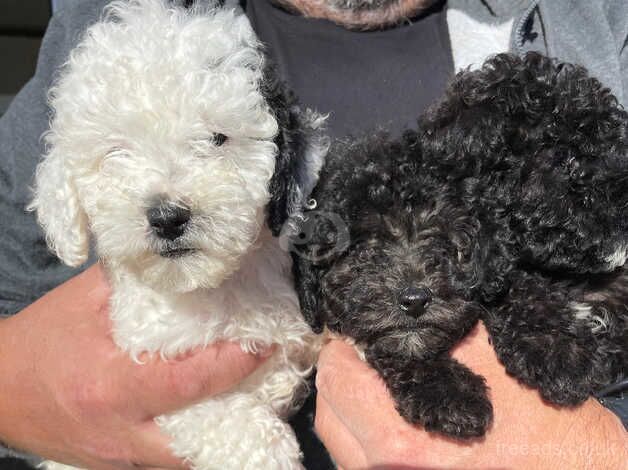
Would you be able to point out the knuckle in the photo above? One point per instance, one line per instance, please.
(398, 445)
(88, 399)
(320, 421)
(217, 370)
(240, 363)
(321, 426)
(108, 450)
(332, 385)
(185, 385)
(112, 453)
(324, 379)
(240, 369)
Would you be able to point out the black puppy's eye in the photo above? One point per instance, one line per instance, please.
(218, 139)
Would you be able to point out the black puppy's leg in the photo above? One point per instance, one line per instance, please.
(436, 392)
(564, 338)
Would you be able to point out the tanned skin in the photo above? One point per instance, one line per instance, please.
(359, 14)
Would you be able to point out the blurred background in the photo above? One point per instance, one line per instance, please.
(22, 25)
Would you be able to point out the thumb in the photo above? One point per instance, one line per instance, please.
(165, 386)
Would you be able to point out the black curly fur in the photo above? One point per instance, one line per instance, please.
(297, 135)
(505, 204)
(549, 143)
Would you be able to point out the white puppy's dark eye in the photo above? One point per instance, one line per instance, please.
(218, 139)
(205, 147)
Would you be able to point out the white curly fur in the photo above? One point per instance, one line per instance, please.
(134, 108)
(618, 258)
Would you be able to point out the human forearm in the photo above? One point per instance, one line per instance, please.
(16, 385)
(6, 399)
(7, 374)
(4, 389)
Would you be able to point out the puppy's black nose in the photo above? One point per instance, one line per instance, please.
(168, 219)
(414, 299)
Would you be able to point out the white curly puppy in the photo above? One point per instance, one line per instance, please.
(170, 145)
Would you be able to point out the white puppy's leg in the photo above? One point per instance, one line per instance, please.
(235, 432)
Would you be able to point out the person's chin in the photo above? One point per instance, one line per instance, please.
(359, 14)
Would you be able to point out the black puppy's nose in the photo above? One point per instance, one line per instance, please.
(414, 299)
(168, 219)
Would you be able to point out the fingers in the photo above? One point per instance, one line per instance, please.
(161, 387)
(166, 386)
(151, 448)
(353, 398)
(475, 351)
(338, 440)
(356, 394)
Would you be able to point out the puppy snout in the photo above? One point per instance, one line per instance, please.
(168, 219)
(414, 299)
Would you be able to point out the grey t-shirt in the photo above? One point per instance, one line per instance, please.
(27, 268)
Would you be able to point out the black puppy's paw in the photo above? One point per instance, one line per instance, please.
(445, 397)
(566, 371)
(463, 416)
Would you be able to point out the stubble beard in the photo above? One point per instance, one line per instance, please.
(359, 14)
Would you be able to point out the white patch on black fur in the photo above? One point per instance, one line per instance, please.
(618, 258)
(584, 312)
(317, 147)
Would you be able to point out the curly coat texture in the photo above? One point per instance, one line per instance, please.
(170, 146)
(509, 204)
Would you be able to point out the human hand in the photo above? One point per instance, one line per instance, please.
(68, 394)
(357, 422)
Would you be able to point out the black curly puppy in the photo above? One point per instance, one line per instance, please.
(509, 203)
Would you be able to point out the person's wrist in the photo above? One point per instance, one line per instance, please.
(12, 375)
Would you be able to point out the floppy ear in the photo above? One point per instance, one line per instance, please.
(302, 145)
(317, 240)
(59, 211)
